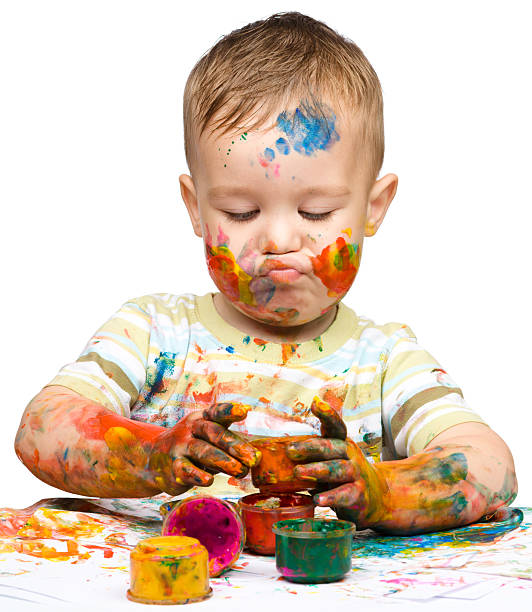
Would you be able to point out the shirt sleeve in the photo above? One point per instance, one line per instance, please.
(111, 370)
(419, 398)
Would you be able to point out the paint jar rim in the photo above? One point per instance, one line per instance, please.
(306, 502)
(166, 546)
(342, 528)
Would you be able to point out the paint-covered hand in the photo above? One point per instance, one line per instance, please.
(345, 480)
(199, 446)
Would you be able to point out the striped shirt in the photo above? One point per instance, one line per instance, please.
(162, 356)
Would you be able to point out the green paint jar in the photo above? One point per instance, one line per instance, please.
(313, 550)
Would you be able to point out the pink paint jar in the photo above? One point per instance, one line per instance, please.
(214, 522)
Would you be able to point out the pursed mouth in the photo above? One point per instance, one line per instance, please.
(272, 266)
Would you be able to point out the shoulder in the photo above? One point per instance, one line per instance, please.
(166, 304)
(385, 335)
(160, 310)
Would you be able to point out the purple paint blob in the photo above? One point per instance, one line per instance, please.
(215, 523)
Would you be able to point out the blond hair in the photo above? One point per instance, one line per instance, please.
(248, 74)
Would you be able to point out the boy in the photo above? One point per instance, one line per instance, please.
(284, 142)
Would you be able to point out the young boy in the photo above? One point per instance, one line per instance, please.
(284, 142)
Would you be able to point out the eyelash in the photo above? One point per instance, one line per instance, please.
(247, 216)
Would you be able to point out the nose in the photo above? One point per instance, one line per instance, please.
(280, 234)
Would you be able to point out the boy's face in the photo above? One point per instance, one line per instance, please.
(283, 213)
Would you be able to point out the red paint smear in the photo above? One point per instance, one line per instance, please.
(205, 398)
(259, 342)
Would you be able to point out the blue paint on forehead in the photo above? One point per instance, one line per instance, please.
(282, 146)
(307, 130)
(269, 154)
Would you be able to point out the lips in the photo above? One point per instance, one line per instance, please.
(272, 266)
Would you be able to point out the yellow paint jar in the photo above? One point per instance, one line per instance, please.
(169, 570)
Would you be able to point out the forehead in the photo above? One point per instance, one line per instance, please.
(301, 139)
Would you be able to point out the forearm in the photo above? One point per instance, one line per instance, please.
(79, 446)
(443, 487)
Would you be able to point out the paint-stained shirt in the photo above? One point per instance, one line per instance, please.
(162, 356)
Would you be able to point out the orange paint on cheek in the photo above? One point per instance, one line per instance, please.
(336, 266)
(229, 277)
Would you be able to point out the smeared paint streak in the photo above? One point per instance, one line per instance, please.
(287, 350)
(223, 239)
(337, 266)
(246, 339)
(283, 147)
(230, 349)
(259, 342)
(347, 231)
(309, 129)
(164, 366)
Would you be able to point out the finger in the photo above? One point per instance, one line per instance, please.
(335, 471)
(228, 441)
(209, 456)
(317, 449)
(226, 413)
(186, 473)
(332, 425)
(347, 496)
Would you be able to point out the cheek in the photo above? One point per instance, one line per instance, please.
(337, 266)
(228, 274)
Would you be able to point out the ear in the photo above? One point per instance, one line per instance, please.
(380, 198)
(190, 198)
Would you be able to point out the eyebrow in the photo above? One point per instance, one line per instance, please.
(315, 190)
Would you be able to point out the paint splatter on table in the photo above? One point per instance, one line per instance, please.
(64, 551)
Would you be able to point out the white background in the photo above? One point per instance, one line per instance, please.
(91, 148)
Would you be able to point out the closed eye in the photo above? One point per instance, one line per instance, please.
(315, 216)
(241, 217)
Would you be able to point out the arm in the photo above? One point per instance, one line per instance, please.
(77, 445)
(465, 473)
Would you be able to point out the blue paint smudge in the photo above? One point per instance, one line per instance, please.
(269, 154)
(164, 365)
(65, 454)
(246, 339)
(282, 146)
(230, 349)
(308, 129)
